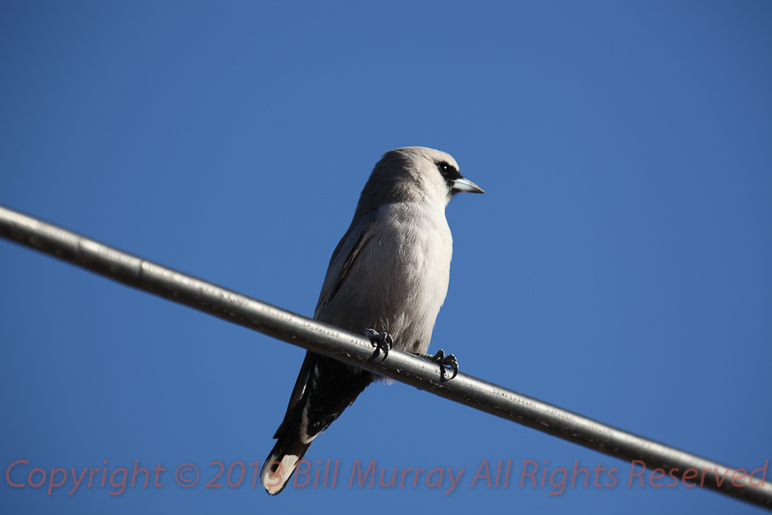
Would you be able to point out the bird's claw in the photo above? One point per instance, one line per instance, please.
(445, 361)
(382, 341)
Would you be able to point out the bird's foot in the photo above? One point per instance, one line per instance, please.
(382, 341)
(449, 361)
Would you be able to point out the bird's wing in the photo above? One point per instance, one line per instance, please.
(297, 392)
(344, 256)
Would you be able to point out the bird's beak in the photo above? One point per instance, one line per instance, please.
(464, 185)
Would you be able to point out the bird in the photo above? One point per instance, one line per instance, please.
(387, 279)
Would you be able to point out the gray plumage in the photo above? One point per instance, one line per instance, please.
(390, 274)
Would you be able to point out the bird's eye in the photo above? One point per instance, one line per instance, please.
(446, 170)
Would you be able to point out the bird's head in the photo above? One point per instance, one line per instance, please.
(414, 174)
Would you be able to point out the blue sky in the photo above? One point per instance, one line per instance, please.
(617, 266)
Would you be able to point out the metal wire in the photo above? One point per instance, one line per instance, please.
(356, 350)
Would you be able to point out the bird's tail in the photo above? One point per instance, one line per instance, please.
(283, 460)
(324, 389)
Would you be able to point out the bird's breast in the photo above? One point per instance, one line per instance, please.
(412, 255)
